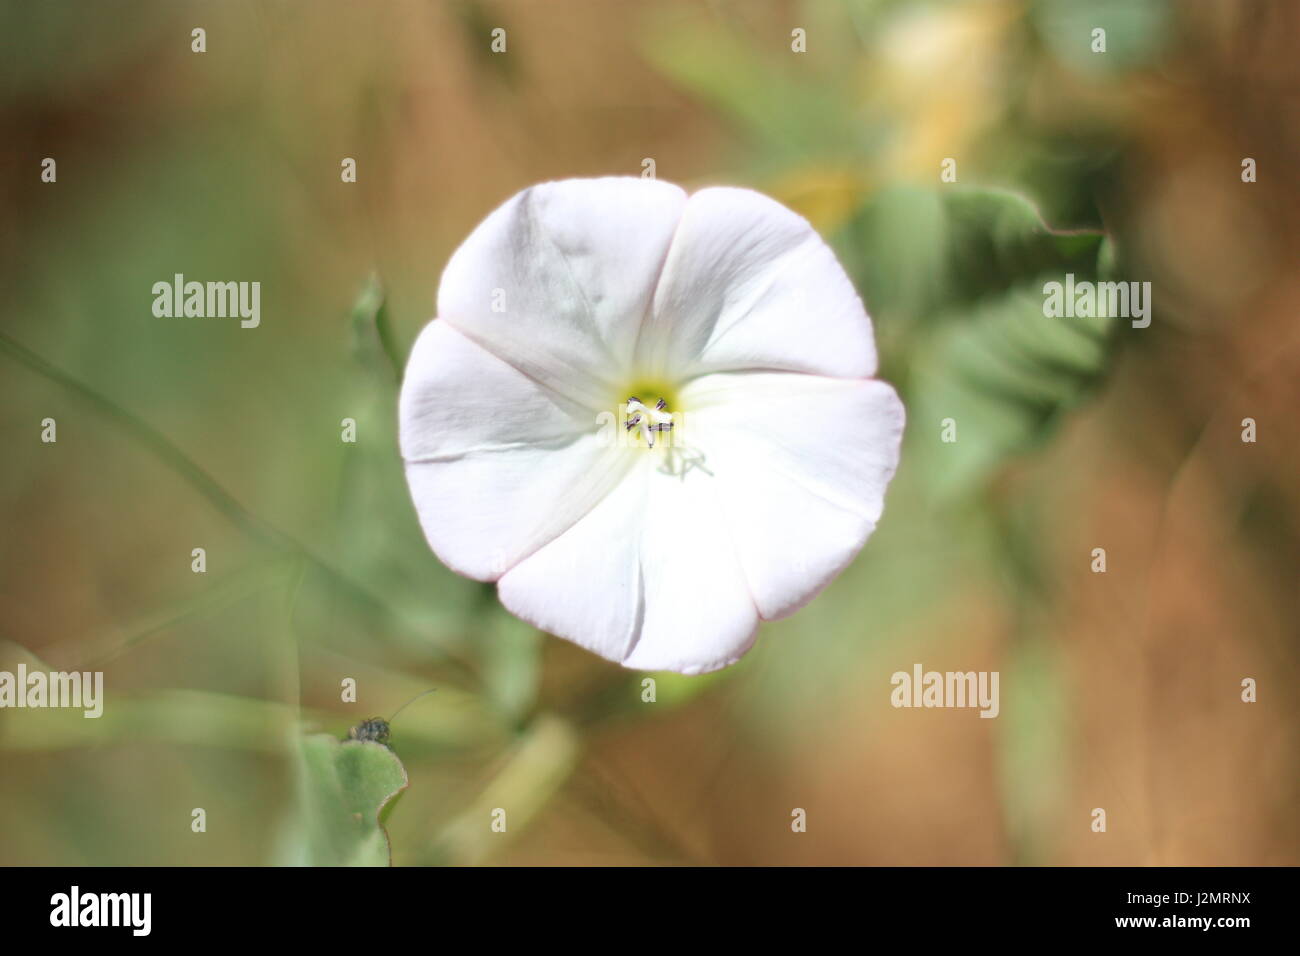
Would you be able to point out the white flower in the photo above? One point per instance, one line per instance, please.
(540, 455)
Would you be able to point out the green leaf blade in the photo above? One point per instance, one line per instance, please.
(343, 788)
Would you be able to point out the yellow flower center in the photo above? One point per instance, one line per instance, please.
(646, 413)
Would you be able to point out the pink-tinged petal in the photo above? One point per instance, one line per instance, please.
(497, 464)
(802, 463)
(699, 614)
(573, 265)
(586, 584)
(748, 284)
(649, 578)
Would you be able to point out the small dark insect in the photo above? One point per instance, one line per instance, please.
(376, 728)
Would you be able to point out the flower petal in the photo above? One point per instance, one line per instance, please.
(497, 464)
(586, 585)
(699, 614)
(750, 284)
(802, 463)
(649, 578)
(558, 279)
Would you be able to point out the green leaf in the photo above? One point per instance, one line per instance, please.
(343, 787)
(957, 273)
(922, 250)
(898, 253)
(373, 342)
(997, 238)
(510, 651)
(1004, 373)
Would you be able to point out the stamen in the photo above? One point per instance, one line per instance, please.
(648, 420)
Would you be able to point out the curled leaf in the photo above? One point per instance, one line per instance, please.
(343, 788)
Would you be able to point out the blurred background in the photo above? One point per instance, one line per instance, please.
(1119, 690)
